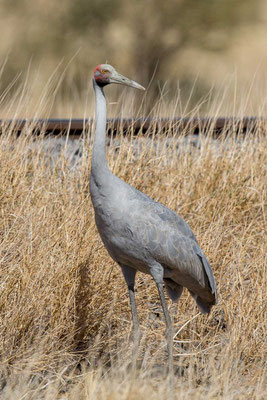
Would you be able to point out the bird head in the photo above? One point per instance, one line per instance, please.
(105, 74)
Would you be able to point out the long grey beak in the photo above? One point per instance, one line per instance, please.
(122, 80)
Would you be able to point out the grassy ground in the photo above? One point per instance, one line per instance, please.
(65, 319)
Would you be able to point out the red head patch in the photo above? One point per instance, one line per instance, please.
(97, 68)
(102, 74)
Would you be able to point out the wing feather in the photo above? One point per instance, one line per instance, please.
(169, 240)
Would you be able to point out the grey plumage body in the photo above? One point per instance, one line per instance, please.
(141, 234)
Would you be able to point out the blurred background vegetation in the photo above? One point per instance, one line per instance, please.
(176, 45)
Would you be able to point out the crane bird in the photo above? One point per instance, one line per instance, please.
(141, 234)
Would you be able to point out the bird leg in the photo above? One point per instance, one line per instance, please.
(136, 331)
(129, 275)
(157, 273)
(169, 328)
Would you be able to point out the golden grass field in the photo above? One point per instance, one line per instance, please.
(65, 318)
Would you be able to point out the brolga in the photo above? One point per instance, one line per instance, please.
(141, 234)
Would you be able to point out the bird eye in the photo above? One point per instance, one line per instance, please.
(104, 71)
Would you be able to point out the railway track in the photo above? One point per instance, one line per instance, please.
(150, 126)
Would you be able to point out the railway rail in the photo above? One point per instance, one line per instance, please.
(76, 127)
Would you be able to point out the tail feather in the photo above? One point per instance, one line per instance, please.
(208, 271)
(174, 290)
(203, 306)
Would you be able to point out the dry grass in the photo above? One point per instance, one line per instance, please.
(65, 318)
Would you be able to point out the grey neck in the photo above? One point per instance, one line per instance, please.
(99, 161)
